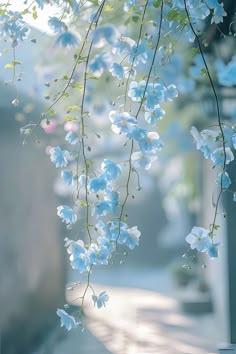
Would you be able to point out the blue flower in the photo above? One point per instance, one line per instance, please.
(78, 256)
(75, 7)
(103, 35)
(72, 138)
(66, 39)
(137, 133)
(112, 197)
(117, 70)
(98, 183)
(99, 64)
(121, 122)
(155, 94)
(98, 254)
(101, 299)
(136, 90)
(13, 26)
(140, 160)
(212, 250)
(223, 180)
(67, 321)
(196, 68)
(226, 73)
(67, 177)
(153, 116)
(138, 54)
(131, 238)
(109, 244)
(103, 208)
(206, 141)
(59, 157)
(199, 239)
(57, 25)
(111, 170)
(117, 229)
(170, 92)
(123, 46)
(40, 4)
(151, 143)
(66, 214)
(219, 156)
(219, 13)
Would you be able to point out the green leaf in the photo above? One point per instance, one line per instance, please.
(73, 108)
(16, 62)
(70, 118)
(9, 66)
(51, 112)
(77, 85)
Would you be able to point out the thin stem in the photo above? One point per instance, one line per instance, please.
(220, 124)
(153, 58)
(97, 15)
(138, 42)
(83, 125)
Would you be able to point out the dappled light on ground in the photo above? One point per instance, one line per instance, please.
(143, 322)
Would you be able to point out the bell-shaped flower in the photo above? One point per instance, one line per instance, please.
(72, 138)
(98, 183)
(206, 141)
(66, 214)
(136, 90)
(131, 238)
(66, 40)
(102, 208)
(138, 53)
(170, 92)
(137, 133)
(111, 169)
(101, 299)
(117, 70)
(99, 64)
(151, 143)
(109, 244)
(222, 156)
(78, 256)
(123, 46)
(67, 177)
(212, 250)
(56, 24)
(141, 160)
(67, 321)
(98, 254)
(59, 157)
(223, 180)
(104, 35)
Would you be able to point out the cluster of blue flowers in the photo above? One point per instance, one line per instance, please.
(13, 27)
(132, 64)
(200, 240)
(210, 143)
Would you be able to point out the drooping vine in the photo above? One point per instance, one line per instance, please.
(123, 76)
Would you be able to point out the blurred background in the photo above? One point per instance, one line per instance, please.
(163, 299)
